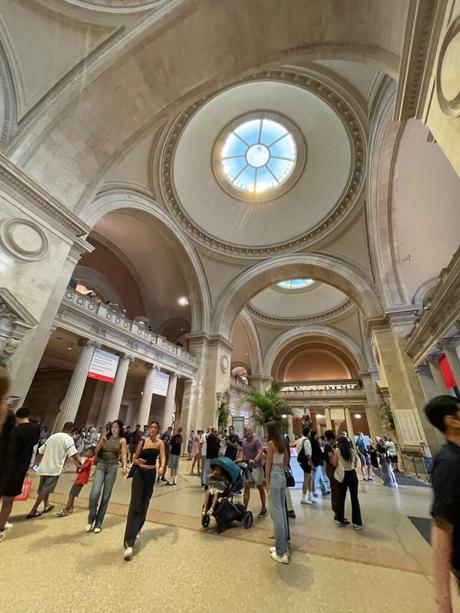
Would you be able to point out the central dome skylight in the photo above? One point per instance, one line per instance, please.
(295, 283)
(257, 156)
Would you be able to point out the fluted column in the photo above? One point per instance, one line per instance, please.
(433, 363)
(169, 403)
(449, 348)
(290, 428)
(349, 421)
(146, 398)
(327, 415)
(71, 402)
(118, 387)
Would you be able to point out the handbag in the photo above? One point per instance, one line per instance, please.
(26, 488)
(134, 467)
(339, 472)
(290, 481)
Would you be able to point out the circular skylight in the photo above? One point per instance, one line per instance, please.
(295, 283)
(258, 156)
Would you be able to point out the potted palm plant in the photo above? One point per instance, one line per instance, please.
(270, 406)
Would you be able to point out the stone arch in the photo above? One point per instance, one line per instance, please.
(97, 281)
(8, 99)
(238, 48)
(343, 340)
(116, 200)
(255, 350)
(326, 269)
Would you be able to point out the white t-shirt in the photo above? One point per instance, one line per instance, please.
(305, 443)
(204, 443)
(55, 451)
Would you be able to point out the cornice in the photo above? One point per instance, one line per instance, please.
(353, 125)
(440, 314)
(344, 307)
(417, 57)
(35, 196)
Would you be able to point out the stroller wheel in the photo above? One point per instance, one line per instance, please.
(248, 520)
(205, 519)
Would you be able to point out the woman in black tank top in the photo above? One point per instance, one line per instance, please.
(145, 462)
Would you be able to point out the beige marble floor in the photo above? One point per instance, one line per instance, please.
(51, 565)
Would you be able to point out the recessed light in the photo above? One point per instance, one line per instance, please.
(183, 301)
(358, 415)
(69, 348)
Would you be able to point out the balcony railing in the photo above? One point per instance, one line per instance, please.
(114, 317)
(348, 388)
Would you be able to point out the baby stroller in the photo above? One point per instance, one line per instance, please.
(226, 510)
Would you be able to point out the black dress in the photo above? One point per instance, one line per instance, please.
(24, 437)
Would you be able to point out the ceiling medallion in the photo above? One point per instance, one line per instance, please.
(352, 124)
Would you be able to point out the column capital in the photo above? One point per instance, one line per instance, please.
(88, 342)
(422, 369)
(450, 343)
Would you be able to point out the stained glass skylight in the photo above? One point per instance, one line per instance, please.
(295, 283)
(258, 155)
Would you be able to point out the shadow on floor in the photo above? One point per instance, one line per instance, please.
(423, 525)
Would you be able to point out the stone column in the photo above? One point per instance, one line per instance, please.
(118, 387)
(96, 403)
(433, 437)
(170, 403)
(449, 348)
(327, 415)
(289, 426)
(427, 383)
(374, 419)
(433, 363)
(351, 432)
(146, 398)
(71, 402)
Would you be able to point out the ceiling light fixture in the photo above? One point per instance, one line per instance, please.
(183, 301)
(358, 415)
(69, 348)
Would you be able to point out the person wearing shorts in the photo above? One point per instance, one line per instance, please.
(252, 454)
(364, 457)
(175, 445)
(81, 480)
(53, 454)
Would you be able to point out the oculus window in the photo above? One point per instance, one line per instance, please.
(259, 156)
(295, 284)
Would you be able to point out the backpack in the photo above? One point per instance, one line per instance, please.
(302, 458)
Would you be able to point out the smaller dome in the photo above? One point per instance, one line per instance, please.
(295, 283)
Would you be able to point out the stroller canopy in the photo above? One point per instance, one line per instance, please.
(229, 466)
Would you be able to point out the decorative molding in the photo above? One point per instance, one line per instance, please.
(22, 184)
(15, 322)
(344, 307)
(118, 6)
(417, 56)
(356, 134)
(441, 315)
(24, 239)
(450, 106)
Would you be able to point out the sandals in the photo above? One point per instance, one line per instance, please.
(48, 509)
(33, 515)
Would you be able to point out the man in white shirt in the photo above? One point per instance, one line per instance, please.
(53, 454)
(304, 451)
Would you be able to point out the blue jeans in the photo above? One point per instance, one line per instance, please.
(320, 480)
(277, 500)
(103, 482)
(205, 466)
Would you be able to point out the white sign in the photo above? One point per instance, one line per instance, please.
(160, 383)
(103, 366)
(408, 427)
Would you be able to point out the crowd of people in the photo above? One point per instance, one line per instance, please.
(329, 462)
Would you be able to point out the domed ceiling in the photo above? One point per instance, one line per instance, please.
(318, 301)
(324, 165)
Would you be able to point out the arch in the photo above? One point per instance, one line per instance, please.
(327, 269)
(255, 350)
(8, 98)
(238, 47)
(343, 340)
(424, 291)
(117, 200)
(97, 281)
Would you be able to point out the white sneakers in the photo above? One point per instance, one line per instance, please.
(307, 499)
(128, 555)
(89, 528)
(284, 559)
(97, 530)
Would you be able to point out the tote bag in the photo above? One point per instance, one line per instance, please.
(339, 472)
(24, 495)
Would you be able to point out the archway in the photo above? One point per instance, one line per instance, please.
(327, 269)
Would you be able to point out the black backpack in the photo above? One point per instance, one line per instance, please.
(303, 459)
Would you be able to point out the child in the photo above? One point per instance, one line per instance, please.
(81, 480)
(218, 483)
